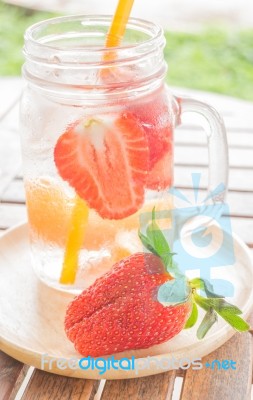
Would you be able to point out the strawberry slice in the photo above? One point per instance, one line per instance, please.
(157, 120)
(161, 175)
(106, 161)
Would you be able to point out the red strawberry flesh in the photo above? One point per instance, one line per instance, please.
(106, 161)
(157, 120)
(161, 175)
(120, 311)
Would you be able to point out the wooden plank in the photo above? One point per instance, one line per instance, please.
(197, 156)
(10, 157)
(11, 214)
(45, 386)
(14, 193)
(187, 132)
(239, 179)
(212, 384)
(237, 113)
(12, 374)
(184, 136)
(154, 387)
(11, 119)
(10, 93)
(234, 201)
(233, 124)
(239, 122)
(240, 204)
(10, 153)
(243, 228)
(180, 373)
(240, 175)
(224, 104)
(236, 119)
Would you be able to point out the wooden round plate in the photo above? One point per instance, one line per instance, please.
(32, 315)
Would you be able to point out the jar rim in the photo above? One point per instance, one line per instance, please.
(64, 51)
(154, 30)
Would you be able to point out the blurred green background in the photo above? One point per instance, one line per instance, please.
(218, 60)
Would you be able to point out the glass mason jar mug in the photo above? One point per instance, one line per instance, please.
(97, 141)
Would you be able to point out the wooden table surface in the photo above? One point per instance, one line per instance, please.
(190, 156)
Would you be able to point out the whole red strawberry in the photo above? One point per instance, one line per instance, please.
(120, 311)
(139, 304)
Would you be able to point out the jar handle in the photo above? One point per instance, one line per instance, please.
(217, 146)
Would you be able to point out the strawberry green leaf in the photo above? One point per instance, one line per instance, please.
(234, 320)
(157, 238)
(147, 243)
(155, 241)
(202, 302)
(206, 286)
(176, 291)
(221, 305)
(150, 242)
(208, 321)
(217, 304)
(193, 317)
(227, 311)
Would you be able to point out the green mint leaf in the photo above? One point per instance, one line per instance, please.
(227, 311)
(157, 239)
(146, 242)
(208, 321)
(202, 302)
(159, 242)
(221, 305)
(234, 320)
(217, 304)
(176, 291)
(193, 317)
(206, 286)
(155, 242)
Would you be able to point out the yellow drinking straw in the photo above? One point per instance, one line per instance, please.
(78, 224)
(119, 22)
(80, 212)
